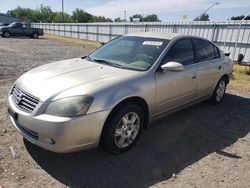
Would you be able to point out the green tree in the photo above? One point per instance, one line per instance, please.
(44, 14)
(148, 18)
(136, 16)
(151, 18)
(118, 19)
(100, 19)
(240, 17)
(25, 14)
(62, 18)
(81, 16)
(203, 17)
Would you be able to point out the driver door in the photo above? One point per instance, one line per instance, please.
(17, 29)
(174, 89)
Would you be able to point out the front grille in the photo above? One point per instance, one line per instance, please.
(24, 100)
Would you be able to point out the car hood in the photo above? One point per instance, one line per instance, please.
(48, 81)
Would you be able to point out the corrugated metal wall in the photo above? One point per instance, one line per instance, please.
(233, 36)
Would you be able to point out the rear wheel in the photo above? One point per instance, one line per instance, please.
(35, 35)
(6, 34)
(123, 128)
(219, 91)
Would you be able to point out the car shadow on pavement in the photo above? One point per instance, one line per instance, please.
(174, 143)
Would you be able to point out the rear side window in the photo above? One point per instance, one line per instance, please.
(205, 50)
(181, 52)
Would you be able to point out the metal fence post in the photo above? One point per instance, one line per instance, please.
(64, 28)
(236, 42)
(54, 29)
(214, 30)
(70, 30)
(97, 33)
(189, 28)
(87, 32)
(78, 31)
(146, 28)
(110, 31)
(125, 29)
(225, 41)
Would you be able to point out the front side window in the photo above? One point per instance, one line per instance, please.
(136, 53)
(181, 52)
(205, 50)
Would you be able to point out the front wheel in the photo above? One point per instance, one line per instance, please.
(35, 36)
(6, 34)
(219, 91)
(123, 129)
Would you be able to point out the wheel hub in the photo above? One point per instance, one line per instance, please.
(220, 90)
(127, 129)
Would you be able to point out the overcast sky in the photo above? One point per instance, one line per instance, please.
(165, 9)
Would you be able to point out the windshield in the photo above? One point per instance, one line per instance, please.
(136, 53)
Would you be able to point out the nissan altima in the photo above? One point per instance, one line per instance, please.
(110, 96)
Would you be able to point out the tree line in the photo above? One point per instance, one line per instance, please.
(205, 17)
(46, 15)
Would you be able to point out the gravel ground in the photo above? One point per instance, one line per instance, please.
(202, 146)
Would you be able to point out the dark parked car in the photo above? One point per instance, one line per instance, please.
(19, 29)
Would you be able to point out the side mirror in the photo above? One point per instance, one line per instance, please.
(226, 53)
(240, 58)
(172, 66)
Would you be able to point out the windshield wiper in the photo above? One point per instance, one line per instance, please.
(87, 57)
(107, 62)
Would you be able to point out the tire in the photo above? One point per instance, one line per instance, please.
(219, 92)
(119, 136)
(35, 35)
(6, 34)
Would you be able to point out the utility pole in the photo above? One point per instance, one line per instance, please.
(125, 15)
(217, 3)
(63, 10)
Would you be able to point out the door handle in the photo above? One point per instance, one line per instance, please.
(219, 67)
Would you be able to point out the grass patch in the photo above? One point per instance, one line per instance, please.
(241, 78)
(76, 41)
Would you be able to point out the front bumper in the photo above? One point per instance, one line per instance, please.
(59, 134)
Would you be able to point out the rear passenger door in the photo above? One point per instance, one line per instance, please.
(207, 57)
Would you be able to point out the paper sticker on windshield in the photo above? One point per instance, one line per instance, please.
(152, 43)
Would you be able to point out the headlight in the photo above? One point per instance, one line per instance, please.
(69, 107)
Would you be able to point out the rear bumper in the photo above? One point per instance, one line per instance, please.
(59, 134)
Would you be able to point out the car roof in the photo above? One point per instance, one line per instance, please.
(160, 35)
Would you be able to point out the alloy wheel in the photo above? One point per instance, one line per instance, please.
(220, 90)
(127, 129)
